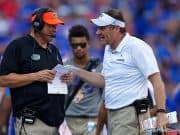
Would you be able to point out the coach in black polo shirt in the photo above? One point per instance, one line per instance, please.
(26, 68)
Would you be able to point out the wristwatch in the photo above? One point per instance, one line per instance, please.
(161, 111)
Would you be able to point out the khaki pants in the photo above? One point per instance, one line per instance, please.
(38, 128)
(125, 122)
(78, 126)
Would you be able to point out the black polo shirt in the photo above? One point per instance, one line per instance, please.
(22, 56)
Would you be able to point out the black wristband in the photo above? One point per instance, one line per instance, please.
(161, 111)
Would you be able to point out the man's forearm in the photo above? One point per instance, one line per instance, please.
(160, 97)
(93, 78)
(102, 119)
(14, 80)
(5, 110)
(159, 90)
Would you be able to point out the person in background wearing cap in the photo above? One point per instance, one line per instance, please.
(128, 64)
(26, 68)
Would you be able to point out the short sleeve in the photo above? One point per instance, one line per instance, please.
(145, 59)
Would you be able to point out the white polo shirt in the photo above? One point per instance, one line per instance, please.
(126, 71)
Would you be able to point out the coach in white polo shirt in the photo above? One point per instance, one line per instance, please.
(128, 64)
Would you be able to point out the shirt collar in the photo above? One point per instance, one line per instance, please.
(121, 44)
(35, 43)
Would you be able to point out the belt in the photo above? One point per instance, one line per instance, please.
(82, 116)
(121, 107)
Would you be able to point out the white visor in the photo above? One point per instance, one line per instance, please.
(104, 20)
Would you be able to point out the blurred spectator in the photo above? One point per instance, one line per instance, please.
(4, 31)
(9, 7)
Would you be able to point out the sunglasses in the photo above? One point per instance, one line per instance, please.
(76, 45)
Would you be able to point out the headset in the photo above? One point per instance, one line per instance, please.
(38, 22)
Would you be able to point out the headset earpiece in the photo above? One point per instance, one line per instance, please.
(38, 22)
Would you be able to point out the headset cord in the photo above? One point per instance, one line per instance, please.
(22, 128)
(138, 123)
